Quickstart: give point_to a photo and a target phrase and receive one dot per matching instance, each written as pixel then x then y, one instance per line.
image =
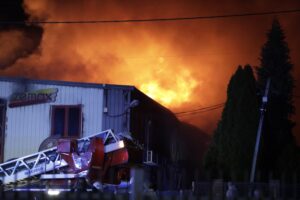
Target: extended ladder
pixel 49 160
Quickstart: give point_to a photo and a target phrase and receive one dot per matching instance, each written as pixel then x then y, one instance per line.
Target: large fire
pixel 171 88
pixel 175 96
pixel 182 64
pixel 107 54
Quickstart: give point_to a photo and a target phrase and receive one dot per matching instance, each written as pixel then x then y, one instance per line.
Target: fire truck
pixel 92 162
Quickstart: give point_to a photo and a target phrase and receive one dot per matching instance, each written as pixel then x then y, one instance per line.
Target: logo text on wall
pixel 33 97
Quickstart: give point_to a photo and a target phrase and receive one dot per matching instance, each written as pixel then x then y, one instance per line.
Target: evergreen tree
pixel 277 138
pixel 233 141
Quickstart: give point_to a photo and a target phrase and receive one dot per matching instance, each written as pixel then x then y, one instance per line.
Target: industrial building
pixel 32 111
pixel 34 114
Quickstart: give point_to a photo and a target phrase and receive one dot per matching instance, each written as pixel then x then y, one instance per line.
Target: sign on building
pixel 33 97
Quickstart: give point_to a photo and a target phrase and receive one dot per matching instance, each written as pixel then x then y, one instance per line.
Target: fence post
pixel 137 179
pixel 283 185
pixel 1 191
pixel 218 189
pixel 295 181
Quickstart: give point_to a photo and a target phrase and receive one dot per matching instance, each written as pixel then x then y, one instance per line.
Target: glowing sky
pixel 182 64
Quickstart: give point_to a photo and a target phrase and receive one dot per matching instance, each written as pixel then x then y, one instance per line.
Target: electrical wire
pixel 200 110
pixel 154 19
pixel 205 109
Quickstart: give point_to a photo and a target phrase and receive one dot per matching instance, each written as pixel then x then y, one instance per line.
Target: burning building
pixel 36 113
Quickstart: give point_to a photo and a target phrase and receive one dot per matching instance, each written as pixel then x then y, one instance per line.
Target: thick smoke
pixel 191 61
pixel 16 40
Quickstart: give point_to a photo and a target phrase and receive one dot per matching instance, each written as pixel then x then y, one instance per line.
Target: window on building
pixel 66 121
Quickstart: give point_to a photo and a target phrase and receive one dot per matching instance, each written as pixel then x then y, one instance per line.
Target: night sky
pixel 182 64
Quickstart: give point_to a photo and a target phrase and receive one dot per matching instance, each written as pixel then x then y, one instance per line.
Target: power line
pixel 205 109
pixel 154 19
pixel 200 110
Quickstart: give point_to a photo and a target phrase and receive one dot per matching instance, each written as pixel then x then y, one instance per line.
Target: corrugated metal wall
pixel 34 121
pixel 6 89
pixel 116 103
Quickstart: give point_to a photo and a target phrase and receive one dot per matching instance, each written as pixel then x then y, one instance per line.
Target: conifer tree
pixel 233 142
pixel 277 138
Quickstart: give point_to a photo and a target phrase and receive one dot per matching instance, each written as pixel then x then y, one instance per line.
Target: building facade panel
pixel 5 89
pixel 116 109
pixel 27 126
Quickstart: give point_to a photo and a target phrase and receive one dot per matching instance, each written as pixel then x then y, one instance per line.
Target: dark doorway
pixel 66 121
pixel 2 127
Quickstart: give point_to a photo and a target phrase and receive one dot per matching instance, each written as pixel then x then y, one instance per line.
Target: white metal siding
pixel 34 121
pixel 117 115
pixel 5 89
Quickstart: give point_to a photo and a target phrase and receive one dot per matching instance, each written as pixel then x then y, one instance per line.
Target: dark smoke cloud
pixel 16 41
pixel 210 50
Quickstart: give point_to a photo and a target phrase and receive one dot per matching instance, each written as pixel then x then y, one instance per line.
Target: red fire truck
pixel 92 162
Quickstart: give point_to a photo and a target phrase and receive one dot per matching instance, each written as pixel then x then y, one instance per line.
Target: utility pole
pixel 259 130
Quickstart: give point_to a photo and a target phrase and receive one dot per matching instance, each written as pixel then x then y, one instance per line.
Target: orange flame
pixel 182 64
pixel 182 85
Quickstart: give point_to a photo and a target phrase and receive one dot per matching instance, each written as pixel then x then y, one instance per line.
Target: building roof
pixel 80 84
pixel 66 83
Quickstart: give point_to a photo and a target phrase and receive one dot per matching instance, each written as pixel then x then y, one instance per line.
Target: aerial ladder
pixel 88 158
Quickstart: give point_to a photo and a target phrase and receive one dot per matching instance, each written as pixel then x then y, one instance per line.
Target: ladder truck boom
pixel 70 158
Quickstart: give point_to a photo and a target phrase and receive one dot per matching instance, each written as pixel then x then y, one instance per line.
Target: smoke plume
pixel 182 64
pixel 16 40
